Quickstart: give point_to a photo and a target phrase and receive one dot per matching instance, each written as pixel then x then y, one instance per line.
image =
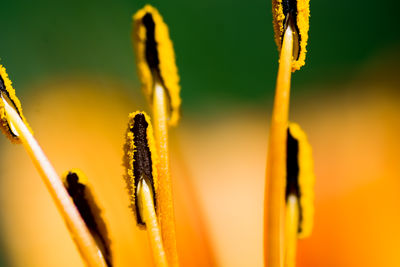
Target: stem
pixel 164 195
pixel 276 159
pixel 148 213
pixel 291 228
pixel 79 232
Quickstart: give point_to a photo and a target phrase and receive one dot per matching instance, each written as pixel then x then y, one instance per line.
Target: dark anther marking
pixel 4 91
pixel 151 45
pixel 77 191
pixel 290 12
pixel 292 166
pixel 142 164
pixel 151 51
pixel 2 85
pixel 292 170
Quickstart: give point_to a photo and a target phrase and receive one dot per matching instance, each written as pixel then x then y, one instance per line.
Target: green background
pixel 225 49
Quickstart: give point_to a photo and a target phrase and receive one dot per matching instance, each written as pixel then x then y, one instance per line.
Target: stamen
pixel 299 191
pixel 292 166
pixel 77 186
pixel 147 212
pixel 7 94
pixel 291 227
pixel 79 232
pixel 276 159
pixel 166 208
pixel 152 57
pixel 161 86
pixel 140 158
pixel 295 13
pixel 140 162
pixel 301 177
pixel 9 125
pixel 157 70
pixel 155 59
pixel 290 20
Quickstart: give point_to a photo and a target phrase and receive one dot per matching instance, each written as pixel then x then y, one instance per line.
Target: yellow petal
pixel 155 58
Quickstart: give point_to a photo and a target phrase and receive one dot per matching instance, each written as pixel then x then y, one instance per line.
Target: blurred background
pixel 72 65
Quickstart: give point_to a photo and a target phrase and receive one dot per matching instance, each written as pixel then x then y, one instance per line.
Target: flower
pixel 355 196
pixel 85 128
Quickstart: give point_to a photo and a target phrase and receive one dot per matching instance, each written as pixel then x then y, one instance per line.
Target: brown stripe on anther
pixel 142 164
pixel 292 166
pixel 7 97
pixel 151 44
pixel 4 91
pixel 290 11
pixel 2 85
pixel 292 169
pixel 79 194
pixel 151 51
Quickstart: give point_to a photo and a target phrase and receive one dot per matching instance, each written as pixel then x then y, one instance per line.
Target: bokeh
pixel 72 65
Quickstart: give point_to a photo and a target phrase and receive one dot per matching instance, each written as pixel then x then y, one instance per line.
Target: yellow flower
pixel 228 182
pixel 358 179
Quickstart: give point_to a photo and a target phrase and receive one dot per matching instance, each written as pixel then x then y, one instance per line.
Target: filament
pixel 291 229
pixel 148 214
pixel 81 235
pixel 276 159
pixel 165 201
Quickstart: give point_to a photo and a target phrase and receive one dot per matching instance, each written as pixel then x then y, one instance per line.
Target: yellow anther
pixel 155 58
pixel 140 158
pixel 7 94
pixel 76 183
pixel 297 13
pixel 305 177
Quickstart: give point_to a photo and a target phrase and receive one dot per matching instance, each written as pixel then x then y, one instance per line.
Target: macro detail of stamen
pixel 140 158
pixel 77 187
pixel 7 94
pixel 292 166
pixel 300 177
pixel 295 13
pixel 140 186
pixel 290 12
pixel 155 58
pixel 151 46
pixel 292 172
